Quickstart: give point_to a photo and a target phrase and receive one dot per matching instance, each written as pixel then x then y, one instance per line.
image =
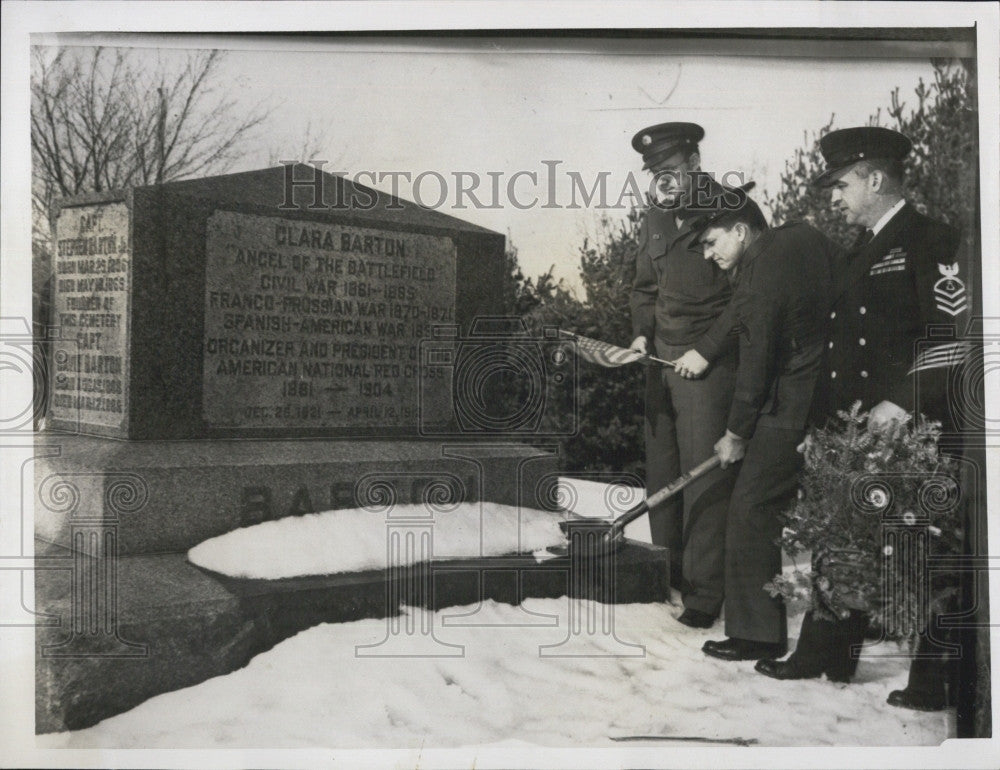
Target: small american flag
pixel 603 353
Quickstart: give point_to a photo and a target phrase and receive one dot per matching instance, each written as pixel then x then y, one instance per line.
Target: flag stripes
pixel 603 353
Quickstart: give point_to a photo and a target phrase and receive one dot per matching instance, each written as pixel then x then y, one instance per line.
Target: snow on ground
pixel 355 540
pixel 314 691
pixel 509 685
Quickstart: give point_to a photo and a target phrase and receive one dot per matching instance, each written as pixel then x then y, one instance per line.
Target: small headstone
pixel 92 274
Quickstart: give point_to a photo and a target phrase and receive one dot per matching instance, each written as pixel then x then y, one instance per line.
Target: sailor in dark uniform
pixel 782 280
pixel 901 279
pixel 676 299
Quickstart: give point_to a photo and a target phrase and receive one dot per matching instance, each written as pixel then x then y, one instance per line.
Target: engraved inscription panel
pixel 316 325
pixel 92 276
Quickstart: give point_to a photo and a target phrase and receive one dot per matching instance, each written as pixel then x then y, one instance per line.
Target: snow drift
pixel 353 540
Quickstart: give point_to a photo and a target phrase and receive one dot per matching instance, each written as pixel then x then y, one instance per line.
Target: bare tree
pixel 108 118
pixel 313 144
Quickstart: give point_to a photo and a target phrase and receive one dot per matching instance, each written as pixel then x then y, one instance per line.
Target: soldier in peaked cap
pixel 659 142
pixel 677 300
pixel 670 152
pixel 902 276
pixel 844 148
pixel 781 278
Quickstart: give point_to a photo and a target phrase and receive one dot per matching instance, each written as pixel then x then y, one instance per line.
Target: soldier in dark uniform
pixel 901 277
pixel 782 280
pixel 676 298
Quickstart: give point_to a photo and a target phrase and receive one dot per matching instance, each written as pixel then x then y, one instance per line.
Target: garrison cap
pixel 713 202
pixel 659 142
pixel 847 146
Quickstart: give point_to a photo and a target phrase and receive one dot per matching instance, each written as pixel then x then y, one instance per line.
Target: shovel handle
pixel 666 493
pixel 680 482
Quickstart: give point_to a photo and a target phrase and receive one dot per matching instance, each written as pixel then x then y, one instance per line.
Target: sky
pixel 516 119
pixel 447 109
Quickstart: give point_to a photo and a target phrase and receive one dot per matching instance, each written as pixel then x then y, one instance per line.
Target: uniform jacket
pixel 899 304
pixel 677 294
pixel 782 291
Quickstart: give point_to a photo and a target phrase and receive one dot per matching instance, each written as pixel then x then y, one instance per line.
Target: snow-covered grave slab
pixel 312 690
pixel 355 540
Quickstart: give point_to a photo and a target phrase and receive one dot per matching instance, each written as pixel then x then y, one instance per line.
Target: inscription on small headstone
pixel 91 306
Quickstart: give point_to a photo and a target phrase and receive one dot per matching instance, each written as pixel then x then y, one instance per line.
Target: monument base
pixel 168 496
pixel 177 625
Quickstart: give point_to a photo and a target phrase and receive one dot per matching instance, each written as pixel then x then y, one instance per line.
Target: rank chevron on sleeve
pixel 949 291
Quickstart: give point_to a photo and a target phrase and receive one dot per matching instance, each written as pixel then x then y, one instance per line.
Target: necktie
pixel 864 238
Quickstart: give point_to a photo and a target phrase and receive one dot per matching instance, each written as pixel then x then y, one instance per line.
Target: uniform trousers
pixel 765 488
pixel 831 646
pixel 934 669
pixel 684 419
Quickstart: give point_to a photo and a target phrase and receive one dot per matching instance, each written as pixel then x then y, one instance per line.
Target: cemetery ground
pixel 502 675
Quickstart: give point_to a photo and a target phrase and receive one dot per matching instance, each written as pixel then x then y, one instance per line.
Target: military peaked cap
pixel 712 202
pixel 659 142
pixel 847 146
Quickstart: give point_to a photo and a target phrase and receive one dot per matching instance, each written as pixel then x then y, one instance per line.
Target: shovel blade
pixel 583 530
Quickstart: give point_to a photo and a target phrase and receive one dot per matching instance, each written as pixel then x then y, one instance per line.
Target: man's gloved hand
pixel 884 415
pixel 730 448
pixel 639 344
pixel 690 365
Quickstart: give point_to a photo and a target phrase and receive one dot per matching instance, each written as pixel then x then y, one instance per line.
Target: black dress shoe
pixel 794 668
pixel 787 669
pixel 911 699
pixel 696 619
pixel 743 649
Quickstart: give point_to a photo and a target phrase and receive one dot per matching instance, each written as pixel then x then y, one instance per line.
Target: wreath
pixel 875 510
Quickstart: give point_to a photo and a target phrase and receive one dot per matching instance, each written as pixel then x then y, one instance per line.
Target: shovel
pixel 610 531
